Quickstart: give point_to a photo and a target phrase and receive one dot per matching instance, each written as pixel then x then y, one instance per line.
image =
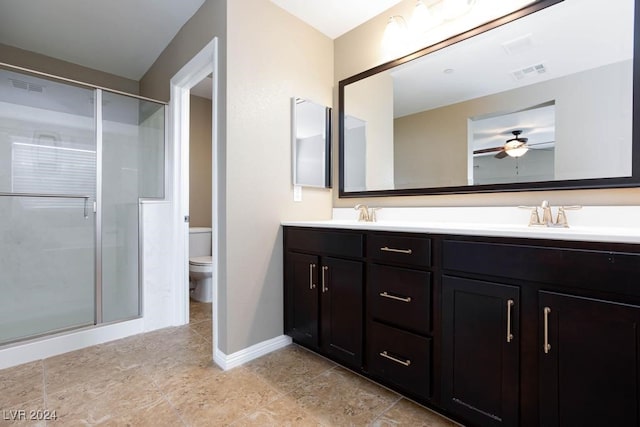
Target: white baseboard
pixel 57 344
pixel 243 356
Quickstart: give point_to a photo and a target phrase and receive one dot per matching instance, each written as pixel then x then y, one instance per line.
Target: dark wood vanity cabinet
pixel 303 299
pixel 341 289
pixel 324 293
pixel 399 312
pixel 481 350
pixel 589 361
pixel 574 357
pixel 491 331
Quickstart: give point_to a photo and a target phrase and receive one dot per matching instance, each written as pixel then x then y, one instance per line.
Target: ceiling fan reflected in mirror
pixel 514 147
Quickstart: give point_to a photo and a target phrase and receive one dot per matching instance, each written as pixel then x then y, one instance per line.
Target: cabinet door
pixel 301 293
pixel 480 344
pixel 589 358
pixel 341 317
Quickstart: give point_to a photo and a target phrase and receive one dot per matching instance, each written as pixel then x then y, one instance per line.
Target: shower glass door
pixel 47 190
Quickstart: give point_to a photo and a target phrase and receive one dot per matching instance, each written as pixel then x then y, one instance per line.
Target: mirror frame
pixel 572 184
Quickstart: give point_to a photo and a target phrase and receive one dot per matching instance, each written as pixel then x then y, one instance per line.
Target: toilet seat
pixel 201 260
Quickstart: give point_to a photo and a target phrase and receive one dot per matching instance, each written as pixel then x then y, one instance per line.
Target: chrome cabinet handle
pixel 398 251
pixel 386 295
pixel 311 284
pixel 324 286
pixel 547 346
pixel 510 304
pixel 402 362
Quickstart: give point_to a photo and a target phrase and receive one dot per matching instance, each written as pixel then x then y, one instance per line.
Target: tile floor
pixel 166 378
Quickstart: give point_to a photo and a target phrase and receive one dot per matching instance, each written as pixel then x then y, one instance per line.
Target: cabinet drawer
pixel 580 268
pixel 400 296
pixel 400 358
pixel 402 249
pixel 322 242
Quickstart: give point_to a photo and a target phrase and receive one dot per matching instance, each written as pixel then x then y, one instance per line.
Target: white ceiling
pixel 121 37
pixel 335 17
pixel 125 37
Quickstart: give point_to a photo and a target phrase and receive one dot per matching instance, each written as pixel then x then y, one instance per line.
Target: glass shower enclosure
pixel 74 163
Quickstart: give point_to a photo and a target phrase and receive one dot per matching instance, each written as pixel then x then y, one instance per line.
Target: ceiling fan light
pixel 516 152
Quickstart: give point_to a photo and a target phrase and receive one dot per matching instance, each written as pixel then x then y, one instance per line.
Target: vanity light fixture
pixel 423 19
pixel 452 9
pixel 395 35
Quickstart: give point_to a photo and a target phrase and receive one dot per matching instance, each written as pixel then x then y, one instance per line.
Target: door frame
pixel 197 68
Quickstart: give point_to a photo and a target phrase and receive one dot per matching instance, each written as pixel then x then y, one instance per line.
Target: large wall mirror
pixel 540 99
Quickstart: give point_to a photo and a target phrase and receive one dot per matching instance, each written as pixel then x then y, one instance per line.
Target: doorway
pixel 200 192
pixel 199 68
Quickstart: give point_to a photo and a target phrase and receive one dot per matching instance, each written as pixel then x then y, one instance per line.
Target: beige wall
pixel 273 56
pixel 267 56
pixel 431 147
pixel 200 162
pixel 358 51
pixel 35 61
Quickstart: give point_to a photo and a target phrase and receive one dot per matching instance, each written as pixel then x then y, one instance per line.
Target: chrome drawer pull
pixel 311 284
pixel 398 251
pixel 510 304
pixel 402 362
pixel 324 286
pixel 386 295
pixel 547 346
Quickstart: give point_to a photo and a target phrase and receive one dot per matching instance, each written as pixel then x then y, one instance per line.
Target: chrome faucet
pixel 547 215
pixel 366 214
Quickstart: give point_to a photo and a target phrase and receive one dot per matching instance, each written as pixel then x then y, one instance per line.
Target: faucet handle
pixel 534 219
pixel 363 214
pixel 561 221
pixel 372 214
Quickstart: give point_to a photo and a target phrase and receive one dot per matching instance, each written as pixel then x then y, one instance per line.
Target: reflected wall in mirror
pixel 311 143
pixel 541 102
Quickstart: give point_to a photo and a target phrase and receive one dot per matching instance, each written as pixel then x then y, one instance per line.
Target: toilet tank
pixel 199 241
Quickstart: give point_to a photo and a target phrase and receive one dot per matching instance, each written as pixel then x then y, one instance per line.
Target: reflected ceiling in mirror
pixel 559 79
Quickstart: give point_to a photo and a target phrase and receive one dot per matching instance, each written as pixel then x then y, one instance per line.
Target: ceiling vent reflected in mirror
pixel 530 71
pixel 23 85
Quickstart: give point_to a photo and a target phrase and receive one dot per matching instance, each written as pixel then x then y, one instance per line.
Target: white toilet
pixel 200 268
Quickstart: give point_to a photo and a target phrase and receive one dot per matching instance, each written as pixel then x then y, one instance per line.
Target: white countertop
pixel 617 224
